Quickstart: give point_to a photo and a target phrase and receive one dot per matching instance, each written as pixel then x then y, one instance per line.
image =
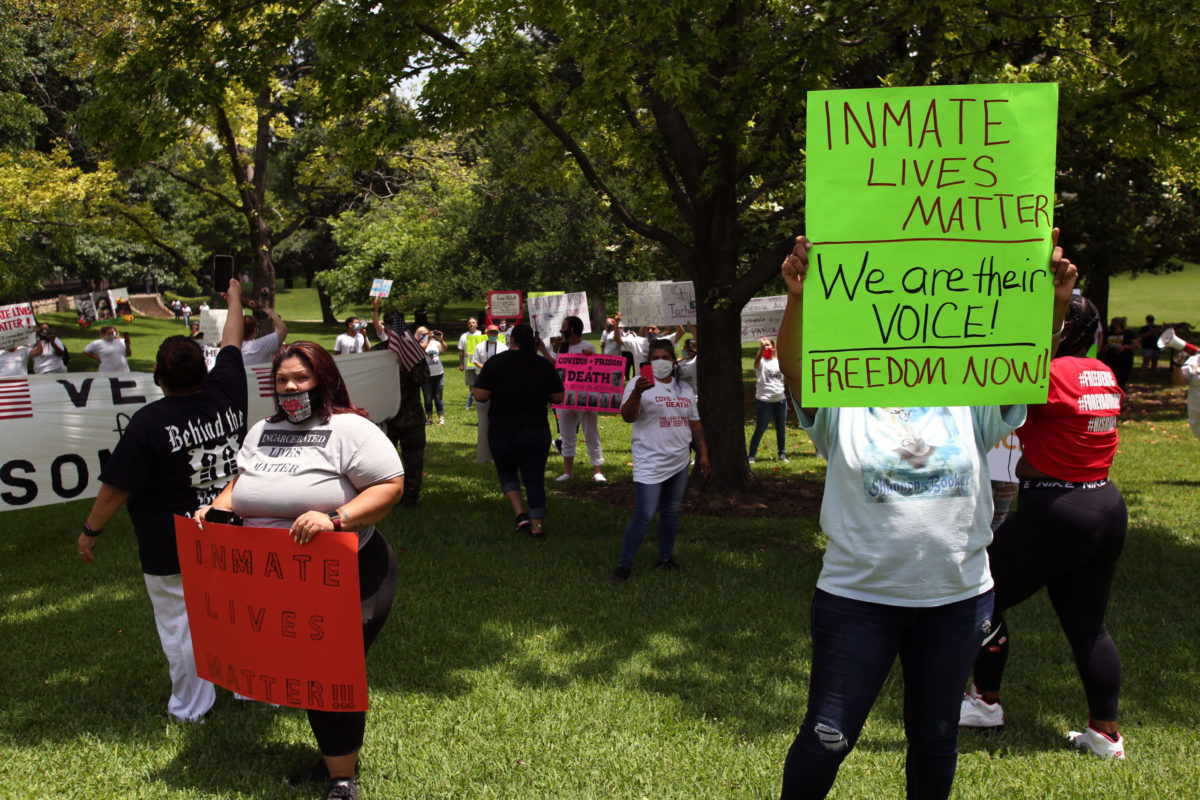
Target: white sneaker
pixel 563 477
pixel 598 478
pixel 750 459
pixel 1099 743
pixel 975 712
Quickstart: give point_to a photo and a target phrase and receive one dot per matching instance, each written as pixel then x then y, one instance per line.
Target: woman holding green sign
pixel 907 510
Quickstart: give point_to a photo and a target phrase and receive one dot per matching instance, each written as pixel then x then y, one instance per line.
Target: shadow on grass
pixel 479 607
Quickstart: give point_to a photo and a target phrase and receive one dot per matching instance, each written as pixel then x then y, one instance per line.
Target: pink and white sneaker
pixel 1100 744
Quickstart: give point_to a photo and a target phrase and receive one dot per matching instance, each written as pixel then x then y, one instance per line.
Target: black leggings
pixel 340 733
pixel 1066 537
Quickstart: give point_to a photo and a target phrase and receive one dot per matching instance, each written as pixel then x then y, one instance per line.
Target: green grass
pixel 1170 297
pixel 512 669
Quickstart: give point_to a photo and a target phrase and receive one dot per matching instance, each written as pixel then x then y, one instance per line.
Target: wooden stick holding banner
pixel 935 290
pixel 273 620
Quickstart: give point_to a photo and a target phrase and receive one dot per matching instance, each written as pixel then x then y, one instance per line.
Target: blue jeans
pixel 764 412
pixel 854 644
pixel 522 452
pixel 432 391
pixel 666 498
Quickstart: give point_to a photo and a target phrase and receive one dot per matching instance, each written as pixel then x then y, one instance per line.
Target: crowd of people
pixel 921 578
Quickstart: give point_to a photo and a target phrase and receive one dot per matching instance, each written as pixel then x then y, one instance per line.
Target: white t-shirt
pixel 640 345
pixel 49 360
pixel 485 350
pixel 14 362
pixel 1191 371
pixel 768 385
pixel 260 350
pixel 111 354
pixel 608 343
pixel 433 357
pixel 345 344
pixel 285 469
pixel 462 348
pixel 685 370
pixel 908 501
pixel 584 346
pixel 662 432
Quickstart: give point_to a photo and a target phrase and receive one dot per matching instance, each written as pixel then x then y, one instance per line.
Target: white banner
pixel 59 429
pixel 761 317
pixel 212 322
pixel 678 304
pixel 1003 458
pixel 546 314
pixel 118 297
pixel 16 325
pixel 640 303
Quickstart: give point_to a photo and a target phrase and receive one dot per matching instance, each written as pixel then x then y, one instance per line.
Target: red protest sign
pixel 592 382
pixel 272 620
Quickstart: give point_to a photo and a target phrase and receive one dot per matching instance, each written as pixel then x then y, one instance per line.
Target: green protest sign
pixel 930 211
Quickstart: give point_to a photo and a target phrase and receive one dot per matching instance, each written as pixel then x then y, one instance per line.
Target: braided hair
pixel 1079 327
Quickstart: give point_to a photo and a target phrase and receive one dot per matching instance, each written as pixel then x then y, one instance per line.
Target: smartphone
pixel 647 371
pixel 222 273
pixel 222 516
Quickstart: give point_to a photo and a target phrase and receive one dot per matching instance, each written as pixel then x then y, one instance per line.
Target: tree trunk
pixel 327 316
pixel 1097 292
pixel 722 413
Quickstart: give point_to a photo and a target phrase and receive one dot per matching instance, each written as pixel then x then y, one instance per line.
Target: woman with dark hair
pixel 1066 534
pixel 347 479
pixel 155 469
pixel 666 424
pixel 516 386
pixel 110 350
pixel 907 510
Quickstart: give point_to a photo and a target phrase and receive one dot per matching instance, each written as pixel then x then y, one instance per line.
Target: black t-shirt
pixel 520 387
pixel 178 453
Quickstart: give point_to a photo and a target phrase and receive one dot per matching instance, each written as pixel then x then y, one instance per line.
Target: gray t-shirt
pixel 285 469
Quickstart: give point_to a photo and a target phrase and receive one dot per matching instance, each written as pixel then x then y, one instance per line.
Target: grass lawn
pixel 512 669
pixel 1170 297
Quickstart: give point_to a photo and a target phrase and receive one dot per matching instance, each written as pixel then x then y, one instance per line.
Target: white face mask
pixel 662 368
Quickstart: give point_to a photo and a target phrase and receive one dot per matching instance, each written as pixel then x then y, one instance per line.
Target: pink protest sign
pixel 592 383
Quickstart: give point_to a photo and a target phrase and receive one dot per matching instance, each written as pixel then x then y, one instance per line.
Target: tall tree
pixel 687 117
pixel 254 79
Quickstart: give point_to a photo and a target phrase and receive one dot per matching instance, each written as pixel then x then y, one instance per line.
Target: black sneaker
pixel 342 789
pixel 558 445
pixel 668 564
pixel 620 575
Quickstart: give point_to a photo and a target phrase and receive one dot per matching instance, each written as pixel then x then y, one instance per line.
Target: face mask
pixel 108 337
pixel 768 352
pixel 297 405
pixel 493 338
pixel 662 368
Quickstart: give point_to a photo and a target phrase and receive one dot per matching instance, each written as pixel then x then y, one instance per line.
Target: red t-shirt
pixel 1074 435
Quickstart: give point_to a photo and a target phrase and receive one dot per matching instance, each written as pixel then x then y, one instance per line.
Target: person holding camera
pixel 434 344
pixel 160 477
pixel 49 354
pixel 261 349
pixel 354 340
